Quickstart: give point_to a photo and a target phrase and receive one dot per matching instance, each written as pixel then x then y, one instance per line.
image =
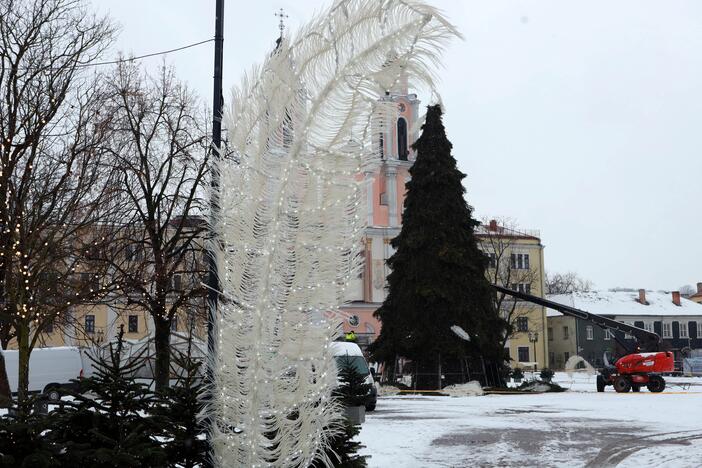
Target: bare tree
pixel 566 283
pixel 54 185
pixel 499 240
pixel 687 290
pixel 160 150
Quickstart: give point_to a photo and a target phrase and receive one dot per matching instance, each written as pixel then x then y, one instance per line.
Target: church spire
pixel 281 24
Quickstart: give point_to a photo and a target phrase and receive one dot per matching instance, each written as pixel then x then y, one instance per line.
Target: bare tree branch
pixel 54 183
pixel 160 150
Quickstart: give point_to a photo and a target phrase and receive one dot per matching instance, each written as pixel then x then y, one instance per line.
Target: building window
pixel 524 288
pixel 177 283
pixel 648 326
pixel 381 146
pixel 566 356
pixel 550 333
pixel 566 333
pixel 90 282
pixel 551 358
pixel 667 330
pixel 49 327
pixel 684 330
pixel 522 324
pixel 89 324
pixel 608 334
pixel 590 333
pixel 519 261
pixel 174 323
pixel 402 139
pixel 492 260
pixel 133 324
pixel 699 330
pixel 523 352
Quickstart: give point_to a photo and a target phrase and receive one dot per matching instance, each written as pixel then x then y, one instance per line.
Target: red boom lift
pixel 641 365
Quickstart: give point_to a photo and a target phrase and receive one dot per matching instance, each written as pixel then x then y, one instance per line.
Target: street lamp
pixel 533 338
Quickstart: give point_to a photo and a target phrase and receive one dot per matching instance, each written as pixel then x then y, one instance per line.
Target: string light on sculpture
pixel 290 218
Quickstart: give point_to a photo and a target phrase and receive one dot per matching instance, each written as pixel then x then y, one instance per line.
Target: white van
pixel 352 351
pixel 49 369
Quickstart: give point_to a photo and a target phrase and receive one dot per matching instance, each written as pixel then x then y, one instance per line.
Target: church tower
pixel 385 197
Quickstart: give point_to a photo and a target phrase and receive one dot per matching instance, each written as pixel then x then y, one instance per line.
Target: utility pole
pixel 213 277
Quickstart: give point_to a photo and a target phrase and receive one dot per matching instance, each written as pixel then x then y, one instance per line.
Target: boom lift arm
pixel 648 341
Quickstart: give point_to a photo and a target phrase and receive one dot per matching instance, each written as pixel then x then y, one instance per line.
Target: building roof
pixel 494 229
pixel 660 304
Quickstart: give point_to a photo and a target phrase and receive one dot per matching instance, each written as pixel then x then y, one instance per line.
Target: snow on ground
pixel 576 428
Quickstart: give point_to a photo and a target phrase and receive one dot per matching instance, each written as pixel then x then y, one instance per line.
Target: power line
pixel 130 59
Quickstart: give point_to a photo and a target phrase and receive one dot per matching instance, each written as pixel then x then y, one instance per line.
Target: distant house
pixel 677 320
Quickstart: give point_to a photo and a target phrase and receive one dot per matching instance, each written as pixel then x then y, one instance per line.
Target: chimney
pixel 642 297
pixel 699 288
pixel 676 298
pixel 493 225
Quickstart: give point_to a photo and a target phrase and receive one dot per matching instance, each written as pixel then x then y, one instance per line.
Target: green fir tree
pixel 107 425
pixel 24 438
pixel 177 414
pixel 343 451
pixel 437 277
pixel 353 388
pixel 352 391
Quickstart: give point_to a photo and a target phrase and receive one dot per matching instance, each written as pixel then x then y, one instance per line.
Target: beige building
pixel 562 332
pixel 517 262
pixel 90 323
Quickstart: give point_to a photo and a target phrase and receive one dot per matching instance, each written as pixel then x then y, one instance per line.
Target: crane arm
pixel 648 341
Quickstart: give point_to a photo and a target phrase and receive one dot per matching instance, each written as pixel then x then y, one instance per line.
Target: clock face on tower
pixel 401 107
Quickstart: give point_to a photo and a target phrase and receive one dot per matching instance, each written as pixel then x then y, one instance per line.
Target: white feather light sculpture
pixel 291 221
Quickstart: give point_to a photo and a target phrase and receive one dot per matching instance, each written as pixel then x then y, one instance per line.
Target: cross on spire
pixel 281 25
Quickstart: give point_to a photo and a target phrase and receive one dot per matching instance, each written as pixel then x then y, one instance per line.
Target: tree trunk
pixel 162 338
pixel 23 364
pixel 5 392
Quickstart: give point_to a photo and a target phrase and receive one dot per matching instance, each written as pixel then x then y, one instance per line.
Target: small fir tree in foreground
pixel 343 450
pixel 177 414
pixel 437 277
pixel 23 438
pixel 353 388
pixel 107 424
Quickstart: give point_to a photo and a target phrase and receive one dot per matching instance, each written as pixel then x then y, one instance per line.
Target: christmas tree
pixel 438 271
pixel 107 423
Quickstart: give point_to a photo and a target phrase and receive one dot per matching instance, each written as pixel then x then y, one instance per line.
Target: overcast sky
pixel 580 119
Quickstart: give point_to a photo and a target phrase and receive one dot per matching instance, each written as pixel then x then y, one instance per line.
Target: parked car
pixel 50 369
pixel 354 353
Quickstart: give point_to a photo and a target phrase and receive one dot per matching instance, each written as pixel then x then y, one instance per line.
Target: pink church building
pixel 385 198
